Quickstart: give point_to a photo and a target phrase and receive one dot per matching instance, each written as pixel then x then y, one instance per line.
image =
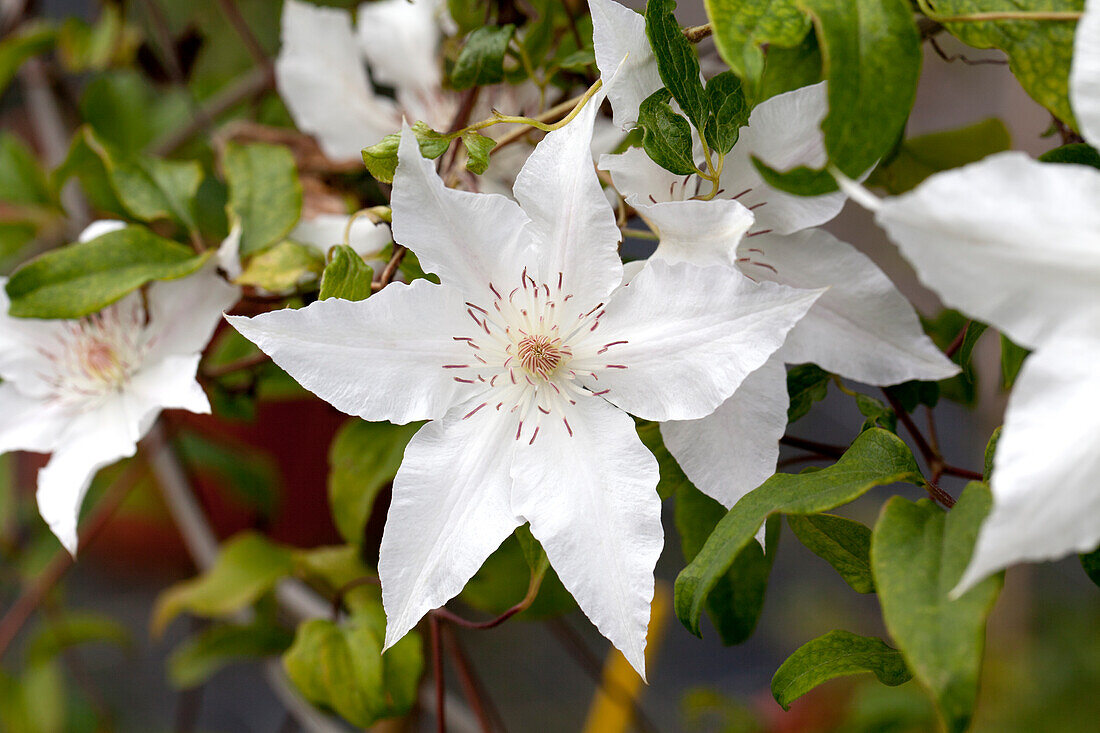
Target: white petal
pixel 1084 78
pixel 1046 499
pixel 733 450
pixel 28 423
pixel 861 328
pixel 98 228
pixel 170 383
pixel 691 334
pixel 228 256
pixel 21 359
pixel 92 441
pixel 451 509
pixel 320 76
pixel 697 232
pixel 619 32
pixel 784 132
pixel 592 502
pixel 184 313
pixel 1009 241
pixel 327 230
pixel 634 172
pixel 381 359
pixel 468 239
pixel 400 40
pixel 572 223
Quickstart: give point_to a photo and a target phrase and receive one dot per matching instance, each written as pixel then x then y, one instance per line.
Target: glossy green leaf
pixel 363 458
pixel 342 667
pixel 346 276
pixel 677 62
pixel 666 135
pixel 265 196
pixel 199 657
pixel 871 51
pixel 1012 360
pixel 30 39
pixel 478 147
pixel 1075 153
pixel 481 60
pixel 1039 51
pixel 843 543
pixel 82 278
pixel 918 554
pixel 787 69
pixel 876 458
pixel 727 111
pixel 735 603
pixel 283 268
pixel 806 384
pixel 919 157
pixel 743 27
pixel 836 654
pixel 248 566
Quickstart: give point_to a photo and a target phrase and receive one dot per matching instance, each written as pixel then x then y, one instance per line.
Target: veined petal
pixel 400 40
pixel 93 440
pixel 327 230
pixel 784 131
pixel 733 450
pixel 1084 77
pixel 1008 240
pixel 21 341
pixel 1046 499
pixel 862 328
pixel 591 500
pixel 468 239
pixel 451 509
pixel 169 383
pixel 616 32
pixel 383 358
pixel 677 341
pixel 27 423
pixel 183 313
pixel 700 233
pixel 320 76
pixel 572 223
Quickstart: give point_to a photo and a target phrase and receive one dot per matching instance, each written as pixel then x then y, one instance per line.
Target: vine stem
pixel 1008 15
pixel 472 687
pixel 437 672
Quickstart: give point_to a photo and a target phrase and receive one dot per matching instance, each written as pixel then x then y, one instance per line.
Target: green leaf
pixel 478 147
pixel 339 569
pixel 83 278
pixel 71 629
pixel 346 276
pixel 265 195
pixel 806 384
pixel 672 477
pixel 342 667
pixel 1012 360
pixel 877 413
pixel 84 163
pixel 129 112
pixel 918 554
pixel 381 158
pixel 22 181
pixel 666 136
pixel 84 47
pixel 1039 51
pixel 247 474
pixel 743 27
pixel 836 654
pixel 727 110
pixel 876 458
pixel 1091 563
pixel 481 60
pixel 363 458
pixel 30 39
pixel 787 69
pixel 676 60
pixel 735 603
pixel 35 701
pixel 199 657
pixel 248 566
pixel 990 451
pixel 283 268
pixel 919 157
pixel 843 543
pixel 1076 153
pixel 872 56
pixel 503 580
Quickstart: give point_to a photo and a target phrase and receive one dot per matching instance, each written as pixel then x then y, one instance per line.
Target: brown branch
pixel 240 25
pixel 473 690
pixel 822 449
pixel 697 33
pixel 437 672
pixel 390 269
pixel 248 362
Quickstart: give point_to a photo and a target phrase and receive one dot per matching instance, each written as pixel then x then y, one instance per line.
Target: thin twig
pixel 248 362
pixel 172 62
pixel 960 57
pixel 240 25
pixel 822 449
pixel 437 672
pixel 472 688
pixel 256 81
pixel 391 268
pixel 698 33
pixel 957 342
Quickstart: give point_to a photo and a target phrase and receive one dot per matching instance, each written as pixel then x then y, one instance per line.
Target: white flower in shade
pixel 862 328
pixel 1016 244
pixel 1084 78
pixel 87 390
pixel 527 358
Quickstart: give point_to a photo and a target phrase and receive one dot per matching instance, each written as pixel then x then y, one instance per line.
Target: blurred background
pixel 1043 656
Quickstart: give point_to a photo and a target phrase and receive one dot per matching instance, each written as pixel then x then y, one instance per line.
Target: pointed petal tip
pixel 856 191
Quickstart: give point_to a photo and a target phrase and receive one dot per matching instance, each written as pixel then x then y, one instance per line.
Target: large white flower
pixel 527 358
pixel 1084 79
pixel 87 390
pixel 1016 243
pixel 862 328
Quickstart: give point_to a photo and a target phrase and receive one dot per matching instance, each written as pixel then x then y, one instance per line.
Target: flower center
pixel 101 362
pixel 540 355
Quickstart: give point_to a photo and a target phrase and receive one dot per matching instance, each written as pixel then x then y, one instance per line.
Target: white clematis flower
pixel 863 328
pixel 87 390
pixel 1084 79
pixel 526 359
pixel 1016 243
